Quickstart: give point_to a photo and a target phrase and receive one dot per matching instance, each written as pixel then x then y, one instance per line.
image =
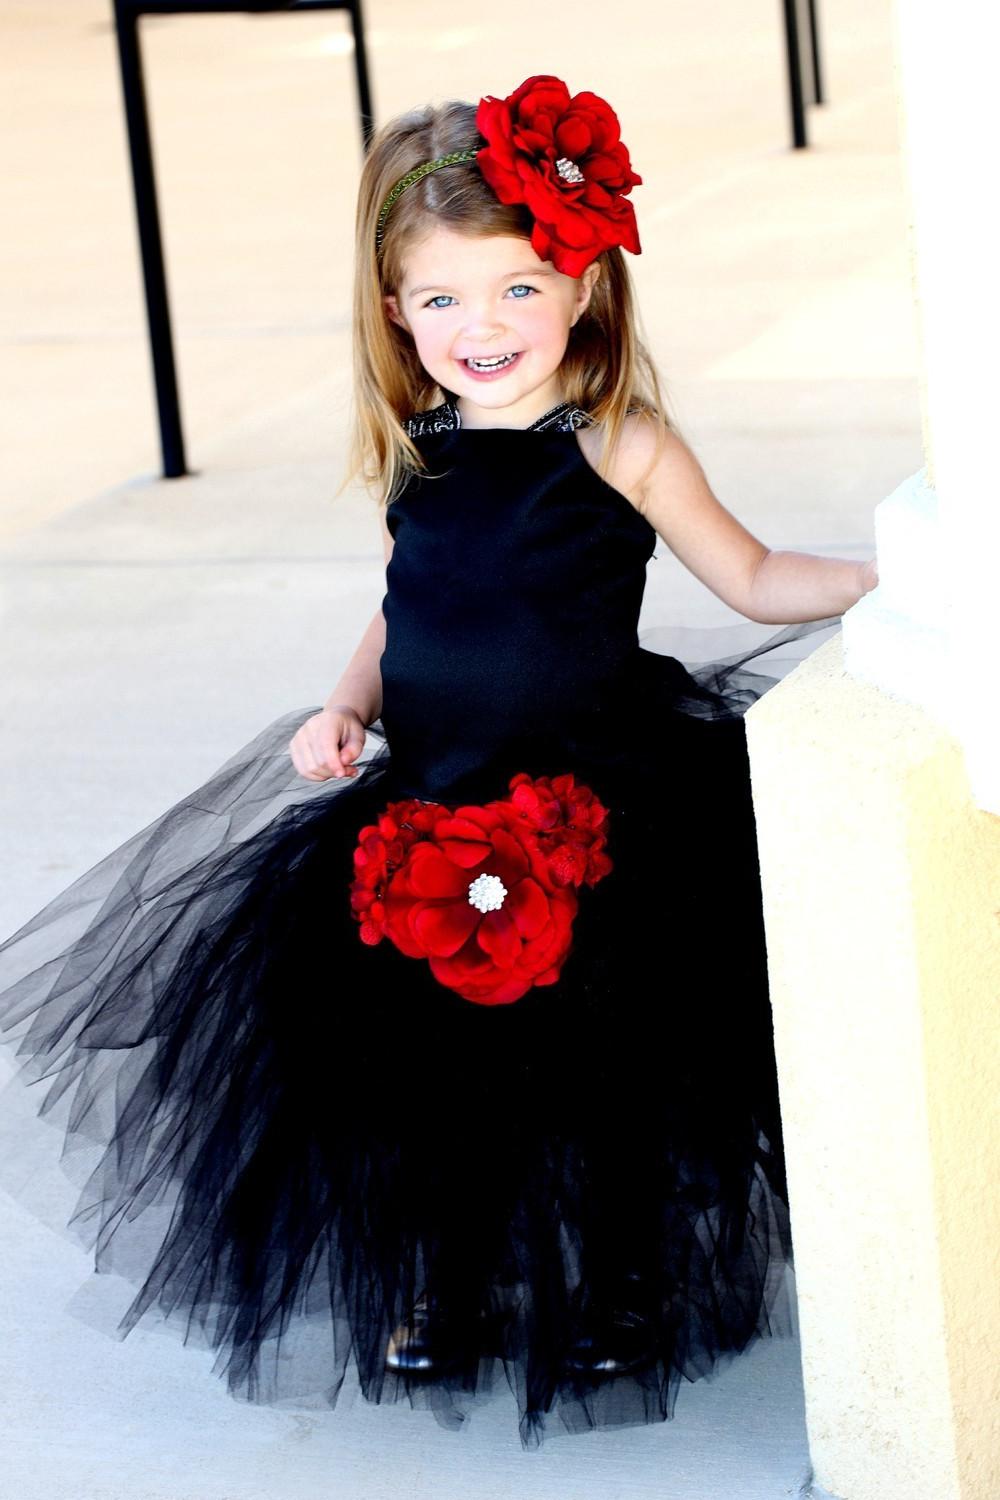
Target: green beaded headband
pixel 415 176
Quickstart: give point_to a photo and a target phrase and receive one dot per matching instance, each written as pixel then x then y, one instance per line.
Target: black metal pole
pixel 795 73
pixel 816 65
pixel 361 76
pixel 127 16
pixel 151 243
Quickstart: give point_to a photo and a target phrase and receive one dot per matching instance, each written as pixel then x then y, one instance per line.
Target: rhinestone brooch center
pixel 486 893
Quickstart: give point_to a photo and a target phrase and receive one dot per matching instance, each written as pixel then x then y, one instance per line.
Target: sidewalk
pixel 151 627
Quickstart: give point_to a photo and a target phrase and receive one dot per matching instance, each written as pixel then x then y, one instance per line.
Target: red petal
pixel 502 179
pixel 549 977
pixel 628 230
pixel 397 931
pixel 493 121
pixel 553 945
pixel 430 875
pixel 510 860
pixel 470 964
pixel 493 991
pixel 443 929
pixel 573 262
pixel 542 243
pixel 606 168
pixel 596 197
pixel 464 839
pixel 529 907
pixel 575 231
pixel 461 826
pixel 535 141
pixel 511 989
pixel 599 110
pixel 542 91
pixel 573 137
pixel 465 854
pixel 498 936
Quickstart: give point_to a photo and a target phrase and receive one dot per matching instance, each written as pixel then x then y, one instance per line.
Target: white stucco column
pixel 929 631
pixel 876 782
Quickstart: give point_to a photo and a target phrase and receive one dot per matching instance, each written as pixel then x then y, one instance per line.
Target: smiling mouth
pixel 495 362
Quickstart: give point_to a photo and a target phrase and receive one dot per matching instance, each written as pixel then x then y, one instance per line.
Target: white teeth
pixel 490 364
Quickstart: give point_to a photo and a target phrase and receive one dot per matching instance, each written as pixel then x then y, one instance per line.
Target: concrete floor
pixel 151 627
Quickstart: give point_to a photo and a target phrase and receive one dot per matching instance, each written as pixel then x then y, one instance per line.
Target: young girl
pixel 432 1036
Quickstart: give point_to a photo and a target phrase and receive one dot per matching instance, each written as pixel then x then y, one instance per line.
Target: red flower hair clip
pixel 563 157
pixel 487 894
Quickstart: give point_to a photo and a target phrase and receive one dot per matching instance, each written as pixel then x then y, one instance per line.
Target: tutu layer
pixel 282 1136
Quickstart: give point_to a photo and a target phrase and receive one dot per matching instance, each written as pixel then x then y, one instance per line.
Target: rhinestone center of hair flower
pixel 568 170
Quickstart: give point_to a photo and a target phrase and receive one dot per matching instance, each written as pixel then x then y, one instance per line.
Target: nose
pixel 483 321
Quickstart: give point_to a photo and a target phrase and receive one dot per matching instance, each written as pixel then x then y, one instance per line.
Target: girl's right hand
pixel 325 745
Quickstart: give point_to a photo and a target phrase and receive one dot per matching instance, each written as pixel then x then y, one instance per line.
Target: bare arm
pixel 789 586
pixel 360 686
pixel 777 587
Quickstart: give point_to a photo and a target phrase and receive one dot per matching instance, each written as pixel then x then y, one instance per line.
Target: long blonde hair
pixel 606 369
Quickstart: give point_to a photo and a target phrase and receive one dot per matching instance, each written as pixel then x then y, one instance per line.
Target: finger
pixel 355 744
pixel 329 757
pixel 351 751
pixel 339 754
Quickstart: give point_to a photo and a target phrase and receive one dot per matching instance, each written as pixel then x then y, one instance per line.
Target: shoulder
pixel 646 447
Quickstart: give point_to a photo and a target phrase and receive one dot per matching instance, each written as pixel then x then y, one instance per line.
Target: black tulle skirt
pixel 282 1136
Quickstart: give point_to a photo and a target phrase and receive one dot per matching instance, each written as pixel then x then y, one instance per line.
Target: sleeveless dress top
pixel 513 595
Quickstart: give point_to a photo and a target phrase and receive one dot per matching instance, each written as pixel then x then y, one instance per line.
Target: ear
pixel 392 310
pixel 585 288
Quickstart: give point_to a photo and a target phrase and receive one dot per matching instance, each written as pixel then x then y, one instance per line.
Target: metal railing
pixel 128 14
pixel 805 76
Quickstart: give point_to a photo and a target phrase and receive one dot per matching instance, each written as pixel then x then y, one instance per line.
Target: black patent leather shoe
pixel 433 1340
pixel 614 1333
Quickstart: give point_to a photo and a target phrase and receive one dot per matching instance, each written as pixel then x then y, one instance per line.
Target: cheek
pixel 432 339
pixel 546 323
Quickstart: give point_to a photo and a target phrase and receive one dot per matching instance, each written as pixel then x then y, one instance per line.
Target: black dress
pixel 284 1133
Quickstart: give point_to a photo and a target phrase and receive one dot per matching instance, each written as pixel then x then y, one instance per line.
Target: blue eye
pixel 443 297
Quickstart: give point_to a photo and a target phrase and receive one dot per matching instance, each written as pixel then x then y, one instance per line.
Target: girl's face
pixel 468 297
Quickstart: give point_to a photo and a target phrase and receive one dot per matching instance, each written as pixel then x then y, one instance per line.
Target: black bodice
pixel 512 602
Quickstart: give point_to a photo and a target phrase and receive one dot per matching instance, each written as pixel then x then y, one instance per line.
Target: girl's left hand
pixel 869 575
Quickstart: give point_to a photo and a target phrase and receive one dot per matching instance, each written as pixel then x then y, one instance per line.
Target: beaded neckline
pixel 566 416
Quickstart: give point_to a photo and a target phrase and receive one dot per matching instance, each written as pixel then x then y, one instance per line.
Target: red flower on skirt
pixel 563 157
pixel 487 894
